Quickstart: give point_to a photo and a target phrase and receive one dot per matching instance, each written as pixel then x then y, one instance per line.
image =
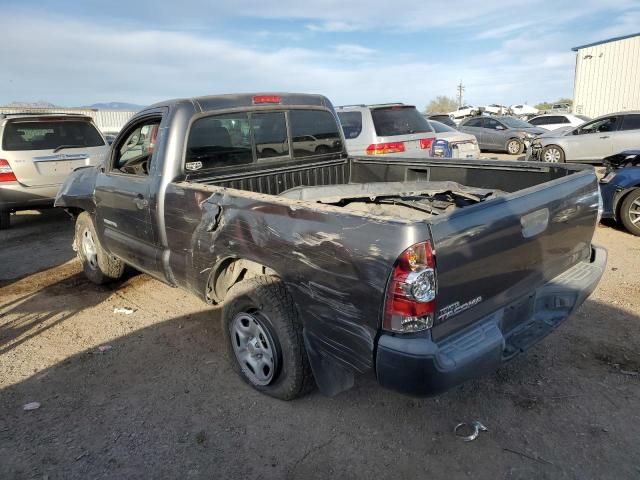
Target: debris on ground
pixel 123 310
pixel 104 348
pixel 474 428
pixel 31 406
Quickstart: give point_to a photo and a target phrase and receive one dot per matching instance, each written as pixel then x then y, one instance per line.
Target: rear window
pixel 49 135
pixel 390 121
pixel 314 132
pixel 351 124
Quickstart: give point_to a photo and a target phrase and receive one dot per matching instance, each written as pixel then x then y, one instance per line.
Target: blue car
pixel 620 189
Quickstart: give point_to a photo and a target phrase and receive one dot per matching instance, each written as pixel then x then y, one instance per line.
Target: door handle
pixel 606 136
pixel 140 201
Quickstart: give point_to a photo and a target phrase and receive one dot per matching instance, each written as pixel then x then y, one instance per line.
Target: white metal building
pixel 607 76
pixel 109 121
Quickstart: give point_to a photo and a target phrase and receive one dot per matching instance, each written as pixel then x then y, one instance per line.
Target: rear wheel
pixel 552 154
pixel 515 146
pixel 98 265
pixel 264 338
pixel 630 212
pixel 5 219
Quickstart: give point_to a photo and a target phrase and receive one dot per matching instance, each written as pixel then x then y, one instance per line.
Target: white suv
pixel 392 129
pixel 555 120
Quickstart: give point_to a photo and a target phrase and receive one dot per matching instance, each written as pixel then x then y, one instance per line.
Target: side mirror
pixel 499 127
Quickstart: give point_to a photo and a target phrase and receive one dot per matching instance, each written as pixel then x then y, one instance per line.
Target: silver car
pixel 37 152
pixel 507 134
pixel 591 141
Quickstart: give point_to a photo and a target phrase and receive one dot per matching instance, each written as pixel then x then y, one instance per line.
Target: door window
pixel 474 122
pixel 492 124
pixel 598 126
pixel 631 122
pixel 134 151
pixel 540 121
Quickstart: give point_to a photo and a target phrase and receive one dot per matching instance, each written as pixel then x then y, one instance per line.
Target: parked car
pixel 325 264
pixel 591 141
pixel 495 109
pixel 37 152
pixel 442 118
pixel 462 145
pixel 464 111
pixel 523 109
pixel 393 130
pixel 620 189
pixel 508 134
pixel 554 121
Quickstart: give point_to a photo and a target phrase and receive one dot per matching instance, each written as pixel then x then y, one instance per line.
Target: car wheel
pixel 264 338
pixel 98 265
pixel 552 154
pixel 515 146
pixel 630 212
pixel 322 149
pixel 5 219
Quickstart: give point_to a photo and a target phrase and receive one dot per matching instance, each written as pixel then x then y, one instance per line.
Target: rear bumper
pixel 15 196
pixel 420 366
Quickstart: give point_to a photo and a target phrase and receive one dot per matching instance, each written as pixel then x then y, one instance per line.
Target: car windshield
pixel 440 127
pixel 398 120
pixel 50 134
pixel 512 122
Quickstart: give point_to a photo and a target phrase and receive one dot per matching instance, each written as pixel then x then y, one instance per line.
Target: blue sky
pixel 365 51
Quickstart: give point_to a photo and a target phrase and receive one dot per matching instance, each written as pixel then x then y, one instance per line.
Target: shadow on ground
pixel 163 403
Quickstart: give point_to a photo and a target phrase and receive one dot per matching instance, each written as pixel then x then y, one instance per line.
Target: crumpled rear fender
pixel 78 190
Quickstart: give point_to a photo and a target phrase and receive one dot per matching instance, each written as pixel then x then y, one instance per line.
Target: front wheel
pixel 515 146
pixel 264 338
pixel 552 154
pixel 630 212
pixel 98 265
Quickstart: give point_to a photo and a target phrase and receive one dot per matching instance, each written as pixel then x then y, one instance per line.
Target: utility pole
pixel 460 93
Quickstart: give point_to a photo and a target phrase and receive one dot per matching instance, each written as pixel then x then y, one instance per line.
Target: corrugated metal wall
pixel 106 120
pixel 607 78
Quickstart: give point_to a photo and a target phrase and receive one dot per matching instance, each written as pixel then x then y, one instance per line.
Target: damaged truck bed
pixel 424 273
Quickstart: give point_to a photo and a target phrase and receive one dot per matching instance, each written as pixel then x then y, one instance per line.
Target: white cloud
pixel 334 26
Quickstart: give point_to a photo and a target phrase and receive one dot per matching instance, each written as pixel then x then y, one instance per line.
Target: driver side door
pixel 592 141
pixel 494 133
pixel 123 196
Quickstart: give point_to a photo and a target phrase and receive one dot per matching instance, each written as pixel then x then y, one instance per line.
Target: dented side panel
pixel 335 265
pixel 77 190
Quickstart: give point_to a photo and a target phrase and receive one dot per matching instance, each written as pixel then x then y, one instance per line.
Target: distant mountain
pixel 38 104
pixel 117 106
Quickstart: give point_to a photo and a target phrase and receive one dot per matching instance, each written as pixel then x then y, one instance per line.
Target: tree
pixel 441 104
pixel 547 105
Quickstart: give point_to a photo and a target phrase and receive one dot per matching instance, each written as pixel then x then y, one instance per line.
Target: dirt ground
pixel 162 402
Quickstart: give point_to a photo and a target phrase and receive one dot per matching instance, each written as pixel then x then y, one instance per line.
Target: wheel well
pixel 621 200
pixel 228 273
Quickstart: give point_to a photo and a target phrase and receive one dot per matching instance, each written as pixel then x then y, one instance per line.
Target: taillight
pixel 410 301
pixel 6 173
pixel 425 143
pixel 384 148
pixel 266 99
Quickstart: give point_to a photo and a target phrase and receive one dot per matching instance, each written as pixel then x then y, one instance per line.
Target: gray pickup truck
pixel 423 272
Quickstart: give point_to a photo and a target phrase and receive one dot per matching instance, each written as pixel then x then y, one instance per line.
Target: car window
pixel 630 122
pixel 270 134
pixel 219 141
pixel 512 122
pixel 351 124
pixel 398 120
pixel 491 123
pixel 440 127
pixel 134 150
pixel 314 132
pixel 474 122
pixel 539 121
pixel 598 126
pixel 563 119
pixel 49 135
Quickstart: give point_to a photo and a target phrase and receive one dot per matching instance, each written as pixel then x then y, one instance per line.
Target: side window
pixel 314 132
pixel 631 122
pixel 539 121
pixel 475 122
pixel 563 120
pixel 491 124
pixel 219 141
pixel 598 126
pixel 351 124
pixel 134 151
pixel 270 134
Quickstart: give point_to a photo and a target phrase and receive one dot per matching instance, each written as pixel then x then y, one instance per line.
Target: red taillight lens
pixel 266 99
pixel 410 301
pixel 6 173
pixel 384 148
pixel 426 143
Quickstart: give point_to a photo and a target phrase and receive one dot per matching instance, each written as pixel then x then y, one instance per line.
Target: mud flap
pixel 331 377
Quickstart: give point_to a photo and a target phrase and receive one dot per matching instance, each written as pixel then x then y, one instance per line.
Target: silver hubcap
pixel 634 212
pixel 513 147
pixel 89 249
pixel 552 155
pixel 254 348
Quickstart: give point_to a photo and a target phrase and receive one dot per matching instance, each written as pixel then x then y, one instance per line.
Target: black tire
pixel 100 268
pixel 267 301
pixel 511 150
pixel 322 149
pixel 548 154
pixel 631 204
pixel 5 219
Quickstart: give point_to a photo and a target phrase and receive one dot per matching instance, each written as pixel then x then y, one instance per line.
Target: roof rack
pixel 56 114
pixel 354 105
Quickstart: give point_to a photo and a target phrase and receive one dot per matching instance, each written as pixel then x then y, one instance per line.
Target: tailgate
pixel 490 255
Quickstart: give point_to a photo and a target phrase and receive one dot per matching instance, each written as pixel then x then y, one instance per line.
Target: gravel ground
pixel 159 400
